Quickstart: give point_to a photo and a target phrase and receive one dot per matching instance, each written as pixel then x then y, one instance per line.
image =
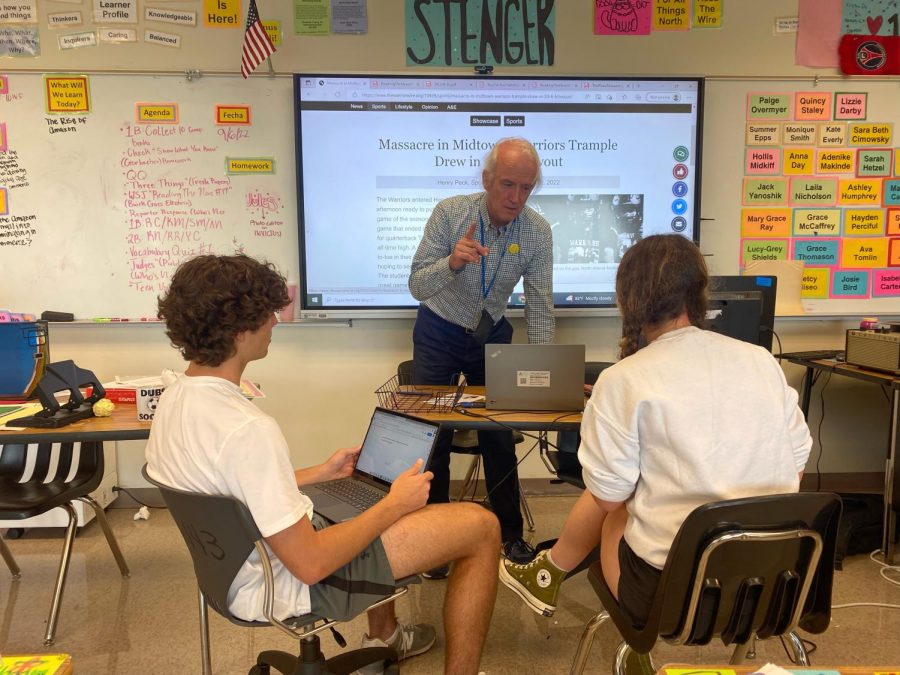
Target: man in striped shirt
pixel 474 251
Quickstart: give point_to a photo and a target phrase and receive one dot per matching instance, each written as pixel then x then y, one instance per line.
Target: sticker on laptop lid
pixel 533 378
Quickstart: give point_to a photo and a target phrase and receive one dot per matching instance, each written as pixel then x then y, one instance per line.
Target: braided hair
pixel 659 278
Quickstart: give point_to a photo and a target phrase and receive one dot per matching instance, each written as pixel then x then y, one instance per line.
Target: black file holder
pixel 63 376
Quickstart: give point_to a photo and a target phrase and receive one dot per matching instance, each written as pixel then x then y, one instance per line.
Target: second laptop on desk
pixel 534 377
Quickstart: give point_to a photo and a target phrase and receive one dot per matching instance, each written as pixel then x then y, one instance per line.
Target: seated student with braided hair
pixel 687 417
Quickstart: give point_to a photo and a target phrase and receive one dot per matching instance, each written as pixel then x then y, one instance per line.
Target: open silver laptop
pixel 393 443
pixel 534 377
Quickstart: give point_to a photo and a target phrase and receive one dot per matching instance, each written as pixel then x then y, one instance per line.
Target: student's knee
pixel 481 522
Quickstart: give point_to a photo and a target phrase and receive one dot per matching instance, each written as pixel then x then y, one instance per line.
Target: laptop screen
pixel 393 443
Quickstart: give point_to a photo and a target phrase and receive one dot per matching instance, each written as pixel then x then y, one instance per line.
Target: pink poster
pixel 819 33
pixel 622 17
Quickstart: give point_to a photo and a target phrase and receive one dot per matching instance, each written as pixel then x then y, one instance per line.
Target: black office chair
pixel 740 569
pixel 220 534
pixel 563 461
pixel 29 490
pixel 470 480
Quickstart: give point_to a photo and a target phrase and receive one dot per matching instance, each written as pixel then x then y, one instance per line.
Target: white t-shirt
pixel 206 437
pixel 693 417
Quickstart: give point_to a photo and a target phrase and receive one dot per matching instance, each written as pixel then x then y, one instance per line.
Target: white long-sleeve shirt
pixel 693 417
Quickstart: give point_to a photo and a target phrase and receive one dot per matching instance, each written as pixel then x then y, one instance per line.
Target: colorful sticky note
pixel 850 106
pixel 763 249
pixel 835 161
pixel 832 134
pixel 863 223
pixel 707 13
pixel 806 191
pixel 850 284
pixel 762 106
pixel 623 18
pixel 765 223
pixel 761 133
pixel 671 15
pixel 860 191
pixel 817 252
pixel 764 191
pixel 873 162
pixel 814 105
pixel 864 253
pixel 886 283
pixel 798 161
pixel 815 282
pixel 762 161
pixel 817 222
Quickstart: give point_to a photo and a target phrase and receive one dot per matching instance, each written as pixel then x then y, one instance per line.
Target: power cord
pixel 883 573
pixel 117 488
pixel 537 439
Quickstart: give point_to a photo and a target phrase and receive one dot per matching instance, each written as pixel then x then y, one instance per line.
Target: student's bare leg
pixel 382 621
pixel 613 531
pixel 469 535
pixel 580 534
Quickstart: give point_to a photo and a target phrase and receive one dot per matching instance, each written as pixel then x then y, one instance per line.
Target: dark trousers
pixel 441 350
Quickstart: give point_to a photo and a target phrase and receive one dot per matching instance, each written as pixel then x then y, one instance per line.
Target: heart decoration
pixel 874 23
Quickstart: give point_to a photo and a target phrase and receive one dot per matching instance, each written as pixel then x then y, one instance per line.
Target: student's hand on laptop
pixel 340 464
pixel 410 490
pixel 588 389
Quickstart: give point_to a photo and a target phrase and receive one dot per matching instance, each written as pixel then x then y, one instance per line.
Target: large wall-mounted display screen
pixel 620 160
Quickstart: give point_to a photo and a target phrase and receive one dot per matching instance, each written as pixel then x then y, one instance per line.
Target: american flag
pixel 257 43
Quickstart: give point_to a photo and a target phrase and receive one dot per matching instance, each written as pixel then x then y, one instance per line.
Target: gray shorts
pixel 351 589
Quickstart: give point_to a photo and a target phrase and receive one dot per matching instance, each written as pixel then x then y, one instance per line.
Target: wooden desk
pixel 892 384
pixel 481 418
pixel 122 425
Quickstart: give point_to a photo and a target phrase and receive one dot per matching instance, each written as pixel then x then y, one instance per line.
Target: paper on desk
pixel 17 411
pixel 449 399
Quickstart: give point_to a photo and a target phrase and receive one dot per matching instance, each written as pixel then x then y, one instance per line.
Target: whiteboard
pixel 724 148
pixel 100 209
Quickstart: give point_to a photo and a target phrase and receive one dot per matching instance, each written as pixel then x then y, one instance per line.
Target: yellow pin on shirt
pixel 513 249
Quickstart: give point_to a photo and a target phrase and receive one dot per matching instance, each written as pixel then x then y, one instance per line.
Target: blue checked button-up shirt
pixel 457 296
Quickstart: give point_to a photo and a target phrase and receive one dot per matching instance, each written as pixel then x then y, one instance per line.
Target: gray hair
pixel 524 145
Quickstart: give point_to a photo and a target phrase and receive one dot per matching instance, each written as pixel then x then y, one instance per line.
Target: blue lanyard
pixel 486 291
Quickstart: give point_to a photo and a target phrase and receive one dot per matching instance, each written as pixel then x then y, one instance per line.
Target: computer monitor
pixel 743 307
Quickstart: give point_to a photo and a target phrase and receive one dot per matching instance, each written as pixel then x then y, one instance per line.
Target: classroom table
pixel 122 425
pixel 541 421
pixel 814 367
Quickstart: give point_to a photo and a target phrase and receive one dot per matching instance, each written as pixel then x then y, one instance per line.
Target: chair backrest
pixel 220 534
pixel 59 471
pixel 737 568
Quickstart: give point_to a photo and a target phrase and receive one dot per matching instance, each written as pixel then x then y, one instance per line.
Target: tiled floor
pixel 148 623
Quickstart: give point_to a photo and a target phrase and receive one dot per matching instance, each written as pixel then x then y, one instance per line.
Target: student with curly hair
pixel 207 438
pixel 687 417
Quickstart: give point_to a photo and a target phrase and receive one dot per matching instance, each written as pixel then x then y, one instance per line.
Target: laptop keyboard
pixel 353 492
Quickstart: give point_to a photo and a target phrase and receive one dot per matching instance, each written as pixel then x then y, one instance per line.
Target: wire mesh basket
pixel 398 393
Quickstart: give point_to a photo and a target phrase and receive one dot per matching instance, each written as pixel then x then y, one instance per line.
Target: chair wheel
pixel 15 532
